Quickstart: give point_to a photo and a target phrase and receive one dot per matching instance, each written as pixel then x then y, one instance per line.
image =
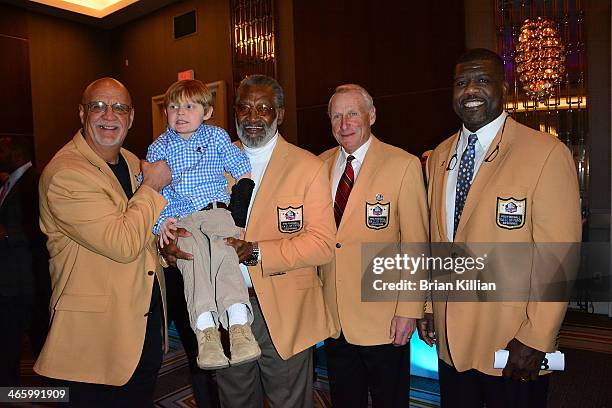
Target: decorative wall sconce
pixel 253 38
pixel 540 58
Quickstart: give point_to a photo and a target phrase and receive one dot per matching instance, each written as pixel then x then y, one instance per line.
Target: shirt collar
pixel 16 175
pixel 358 154
pixel 261 150
pixel 487 133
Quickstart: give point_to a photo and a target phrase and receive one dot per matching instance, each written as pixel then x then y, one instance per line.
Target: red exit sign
pixel 186 75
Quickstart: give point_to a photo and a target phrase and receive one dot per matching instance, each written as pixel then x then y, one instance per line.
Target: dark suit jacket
pixel 23 254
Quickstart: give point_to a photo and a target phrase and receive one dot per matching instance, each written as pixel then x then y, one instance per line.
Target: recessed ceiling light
pixel 93 8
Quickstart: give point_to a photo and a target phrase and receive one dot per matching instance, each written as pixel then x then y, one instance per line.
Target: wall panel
pixel 16 112
pixel 154 58
pixel 64 58
pixel 402 52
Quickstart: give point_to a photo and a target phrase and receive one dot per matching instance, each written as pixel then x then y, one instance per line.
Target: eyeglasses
pixel 101 107
pixel 244 109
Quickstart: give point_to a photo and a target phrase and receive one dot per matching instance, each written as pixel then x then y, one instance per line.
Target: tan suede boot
pixel 243 346
pixel 210 350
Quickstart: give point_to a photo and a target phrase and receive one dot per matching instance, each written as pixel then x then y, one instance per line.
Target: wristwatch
pixel 161 258
pixel 254 258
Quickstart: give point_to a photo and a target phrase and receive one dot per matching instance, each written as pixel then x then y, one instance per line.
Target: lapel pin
pixel 379 197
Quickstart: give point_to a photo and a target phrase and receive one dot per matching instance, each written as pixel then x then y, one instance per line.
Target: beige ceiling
pixel 93 8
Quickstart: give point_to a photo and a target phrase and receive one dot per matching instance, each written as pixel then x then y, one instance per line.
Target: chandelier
pixel 540 58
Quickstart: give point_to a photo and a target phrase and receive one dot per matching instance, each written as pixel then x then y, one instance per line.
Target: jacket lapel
pixel 97 161
pixel 269 182
pixel 134 169
pixel 487 170
pixel 371 163
pixel 331 165
pixel 441 179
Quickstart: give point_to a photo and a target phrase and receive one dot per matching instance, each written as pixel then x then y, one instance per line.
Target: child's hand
pixel 167 230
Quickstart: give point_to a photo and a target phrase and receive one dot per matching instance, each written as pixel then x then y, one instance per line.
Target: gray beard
pixel 258 141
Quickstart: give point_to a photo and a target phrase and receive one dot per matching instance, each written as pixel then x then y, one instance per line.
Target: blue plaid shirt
pixel 197 166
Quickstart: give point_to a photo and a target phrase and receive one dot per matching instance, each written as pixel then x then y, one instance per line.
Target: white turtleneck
pixel 259 158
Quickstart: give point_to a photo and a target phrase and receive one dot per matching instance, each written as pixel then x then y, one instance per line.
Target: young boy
pixel 198 154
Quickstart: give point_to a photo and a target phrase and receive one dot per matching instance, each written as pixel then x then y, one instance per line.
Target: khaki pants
pixel 213 280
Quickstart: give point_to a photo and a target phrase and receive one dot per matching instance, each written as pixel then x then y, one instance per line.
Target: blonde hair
pixel 191 89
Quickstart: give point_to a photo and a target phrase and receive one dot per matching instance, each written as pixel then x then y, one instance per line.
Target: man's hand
pixel 156 175
pixel 244 249
pixel 427 333
pixel 171 252
pixel 523 362
pixel 3 232
pixel 402 329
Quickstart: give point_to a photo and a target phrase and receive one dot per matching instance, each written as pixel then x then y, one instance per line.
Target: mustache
pixel 246 123
pixel 261 137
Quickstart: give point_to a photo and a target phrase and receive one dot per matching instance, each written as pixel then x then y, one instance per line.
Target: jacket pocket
pixel 83 303
pixel 306 280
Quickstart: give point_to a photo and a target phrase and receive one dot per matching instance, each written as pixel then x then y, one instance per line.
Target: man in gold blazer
pixel 105 336
pixel 386 204
pixel 290 230
pixel 498 182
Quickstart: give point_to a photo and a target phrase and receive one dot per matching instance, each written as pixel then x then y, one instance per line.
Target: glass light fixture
pixel 540 58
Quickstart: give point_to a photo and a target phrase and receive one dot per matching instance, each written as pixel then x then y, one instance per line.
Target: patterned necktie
pixel 345 185
pixel 464 179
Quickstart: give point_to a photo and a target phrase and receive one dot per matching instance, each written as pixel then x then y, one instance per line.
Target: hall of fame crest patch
pixel 510 213
pixel 377 215
pixel 290 219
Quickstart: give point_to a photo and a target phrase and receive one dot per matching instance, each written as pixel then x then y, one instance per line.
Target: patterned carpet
pixel 174 389
pixel 587 382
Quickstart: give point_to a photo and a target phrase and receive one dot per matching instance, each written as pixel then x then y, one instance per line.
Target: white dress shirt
pixel 259 158
pixel 359 156
pixel 13 179
pixel 485 135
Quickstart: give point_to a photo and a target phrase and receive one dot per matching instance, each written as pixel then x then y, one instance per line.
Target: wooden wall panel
pixel 154 58
pixel 64 58
pixel 13 22
pixel 51 61
pixel 16 112
pixel 402 52
pixel 598 32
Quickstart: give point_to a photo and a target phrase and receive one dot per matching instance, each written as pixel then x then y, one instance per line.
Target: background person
pixel 24 281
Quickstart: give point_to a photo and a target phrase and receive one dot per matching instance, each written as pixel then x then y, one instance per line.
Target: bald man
pixel 105 337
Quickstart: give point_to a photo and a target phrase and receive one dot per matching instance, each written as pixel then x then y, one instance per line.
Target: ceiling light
pixel 93 8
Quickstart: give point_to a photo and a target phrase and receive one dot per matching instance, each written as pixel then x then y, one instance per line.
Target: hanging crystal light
pixel 540 58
